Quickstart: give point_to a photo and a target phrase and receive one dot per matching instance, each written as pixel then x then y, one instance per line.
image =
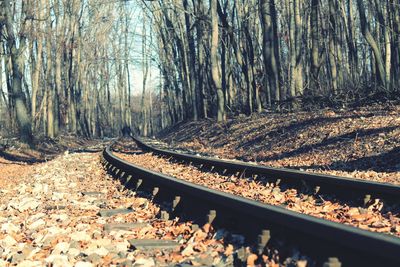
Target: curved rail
pixel 330 182
pixel 369 244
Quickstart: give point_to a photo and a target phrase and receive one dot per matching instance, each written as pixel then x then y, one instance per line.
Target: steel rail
pixel 377 189
pixel 370 244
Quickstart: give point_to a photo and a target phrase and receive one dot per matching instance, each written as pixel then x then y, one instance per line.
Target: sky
pixel 136 71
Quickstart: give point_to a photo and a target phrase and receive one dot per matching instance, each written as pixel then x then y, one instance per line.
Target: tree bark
pixel 215 71
pixel 372 43
pixel 332 45
pixel 271 61
pixel 17 61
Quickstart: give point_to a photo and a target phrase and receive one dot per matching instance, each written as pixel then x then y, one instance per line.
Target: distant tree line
pixel 64 67
pixel 245 56
pixel 65 64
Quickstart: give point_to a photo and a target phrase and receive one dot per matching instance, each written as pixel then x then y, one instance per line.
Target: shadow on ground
pixel 366 139
pixel 26 157
pixel 384 162
pixel 336 141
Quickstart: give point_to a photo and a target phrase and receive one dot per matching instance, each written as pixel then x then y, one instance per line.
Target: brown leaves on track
pixel 38 233
pixel 375 217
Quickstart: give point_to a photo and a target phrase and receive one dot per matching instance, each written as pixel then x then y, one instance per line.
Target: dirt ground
pixel 361 143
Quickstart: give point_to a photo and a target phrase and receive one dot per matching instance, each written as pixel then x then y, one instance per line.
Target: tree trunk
pixel 192 61
pixel 372 43
pixel 388 48
pixel 201 61
pixel 145 67
pixel 49 86
pixel 298 69
pixel 215 71
pixel 271 61
pixel 17 61
pixel 314 44
pixel 332 45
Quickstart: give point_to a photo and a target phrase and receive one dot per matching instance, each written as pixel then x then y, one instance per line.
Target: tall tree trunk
pixel 37 66
pixel 201 61
pixel 371 41
pixel 332 45
pixel 292 47
pixel 17 61
pixel 3 99
pixel 388 49
pixel 49 86
pixel 298 69
pixel 315 62
pixel 215 71
pixel 192 61
pixel 351 41
pixel 145 67
pixel 271 61
pixel 396 43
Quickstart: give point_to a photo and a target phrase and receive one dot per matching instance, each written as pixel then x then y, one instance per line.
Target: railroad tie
pixel 263 239
pixel 367 198
pixel 122 175
pixel 128 179
pixel 195 227
pixel 317 189
pixel 332 262
pixel 242 255
pixel 154 193
pixel 138 184
pixel 109 213
pixel 123 226
pixel 146 244
pixel 55 207
pixel 92 194
pixel 175 202
pixel 212 214
pixel 164 215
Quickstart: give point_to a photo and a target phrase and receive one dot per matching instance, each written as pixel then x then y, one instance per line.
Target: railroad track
pixel 261 223
pixel 325 183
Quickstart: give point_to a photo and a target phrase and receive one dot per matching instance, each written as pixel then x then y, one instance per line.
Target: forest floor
pixel 361 143
pixel 68 212
pixel 45 149
pixel 18 159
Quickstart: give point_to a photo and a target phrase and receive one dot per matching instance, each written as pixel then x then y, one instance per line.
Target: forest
pixel 66 65
pixel 225 133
